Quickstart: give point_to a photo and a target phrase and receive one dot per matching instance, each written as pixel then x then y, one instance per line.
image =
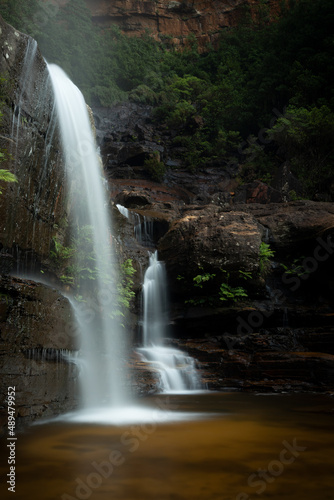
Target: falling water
pixel 142 226
pixel 102 351
pixel 177 370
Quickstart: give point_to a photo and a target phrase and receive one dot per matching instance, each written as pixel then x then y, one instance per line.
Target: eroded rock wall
pixel 32 210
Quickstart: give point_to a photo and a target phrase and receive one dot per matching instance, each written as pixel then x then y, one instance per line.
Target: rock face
pixel 33 209
pixel 176 19
pixel 213 239
pixel 280 337
pixel 37 327
pixel 36 334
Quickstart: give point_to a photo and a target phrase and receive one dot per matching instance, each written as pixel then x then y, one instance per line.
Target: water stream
pixel 177 370
pixel 102 352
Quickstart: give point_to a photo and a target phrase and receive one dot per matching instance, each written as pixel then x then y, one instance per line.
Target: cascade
pixel 142 226
pixel 176 369
pixel 102 352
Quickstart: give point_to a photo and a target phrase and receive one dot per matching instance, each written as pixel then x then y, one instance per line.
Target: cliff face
pixel 32 209
pixel 177 19
pixel 36 321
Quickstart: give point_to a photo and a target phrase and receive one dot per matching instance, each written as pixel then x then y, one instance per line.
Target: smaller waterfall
pixel 142 226
pixel 176 369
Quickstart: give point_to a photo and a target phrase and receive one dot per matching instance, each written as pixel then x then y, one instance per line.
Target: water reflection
pixel 242 447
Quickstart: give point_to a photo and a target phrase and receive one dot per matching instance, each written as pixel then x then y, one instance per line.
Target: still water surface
pixel 213 446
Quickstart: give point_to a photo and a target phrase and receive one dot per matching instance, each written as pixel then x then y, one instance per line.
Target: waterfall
pixel 102 351
pixel 142 226
pixel 176 369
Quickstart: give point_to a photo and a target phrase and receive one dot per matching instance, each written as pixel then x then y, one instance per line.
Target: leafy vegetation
pixel 5 174
pixel 265 254
pixel 216 289
pixel 155 167
pixel 263 96
pixel 77 264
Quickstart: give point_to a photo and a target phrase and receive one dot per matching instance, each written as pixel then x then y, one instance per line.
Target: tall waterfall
pixel 176 369
pixel 102 353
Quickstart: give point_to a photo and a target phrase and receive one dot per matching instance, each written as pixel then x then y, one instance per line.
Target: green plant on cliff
pixel 125 284
pixel 306 137
pixel 155 167
pixel 215 289
pixel 5 175
pixel 265 254
pixel 215 101
pixel 78 264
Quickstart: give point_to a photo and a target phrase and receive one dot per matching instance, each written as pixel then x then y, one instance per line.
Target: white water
pixel 102 352
pixel 177 370
pixel 142 226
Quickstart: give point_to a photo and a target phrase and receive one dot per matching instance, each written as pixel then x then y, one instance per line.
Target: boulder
pixel 295 223
pixel 211 239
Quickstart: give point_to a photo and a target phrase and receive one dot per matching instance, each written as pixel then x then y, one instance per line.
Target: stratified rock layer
pixel 202 19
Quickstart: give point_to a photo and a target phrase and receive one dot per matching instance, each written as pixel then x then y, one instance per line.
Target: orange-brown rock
pixel 178 19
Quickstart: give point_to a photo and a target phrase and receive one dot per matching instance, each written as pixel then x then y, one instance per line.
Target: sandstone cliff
pixel 174 19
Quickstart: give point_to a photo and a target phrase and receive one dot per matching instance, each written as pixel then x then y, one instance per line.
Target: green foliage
pixel 78 263
pixel 155 167
pixel 217 101
pixel 59 251
pixel 306 134
pixel 245 275
pixel 229 293
pixel 265 254
pixel 215 290
pixel 125 285
pixel 5 175
pixel 200 279
pixel 296 268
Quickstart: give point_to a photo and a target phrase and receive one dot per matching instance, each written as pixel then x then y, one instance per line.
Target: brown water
pixel 243 447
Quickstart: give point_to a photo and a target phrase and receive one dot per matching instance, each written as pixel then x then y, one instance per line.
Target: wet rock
pixel 37 331
pixel 213 240
pixel 33 209
pixel 286 183
pixel 294 223
pixel 261 362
